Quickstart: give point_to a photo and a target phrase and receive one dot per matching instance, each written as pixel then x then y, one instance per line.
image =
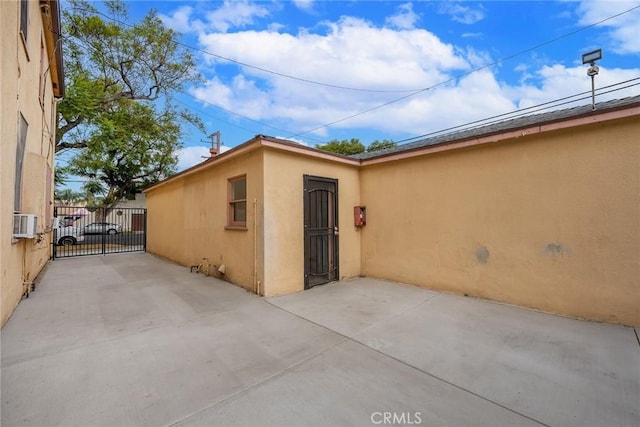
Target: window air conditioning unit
pixel 24 226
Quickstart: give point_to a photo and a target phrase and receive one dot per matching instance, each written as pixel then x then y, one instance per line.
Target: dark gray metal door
pixel 321 237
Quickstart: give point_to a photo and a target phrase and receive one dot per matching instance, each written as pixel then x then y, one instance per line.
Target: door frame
pixel 306 236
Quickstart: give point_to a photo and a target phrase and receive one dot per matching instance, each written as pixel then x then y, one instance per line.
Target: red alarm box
pixel 359 216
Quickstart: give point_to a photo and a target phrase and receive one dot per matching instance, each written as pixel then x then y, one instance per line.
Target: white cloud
pixel 180 20
pixel 354 53
pixel 274 27
pixel 305 5
pixel 235 14
pixel 558 81
pixel 624 30
pixel 231 14
pixel 460 13
pixel 405 18
pixel 294 139
pixel 191 156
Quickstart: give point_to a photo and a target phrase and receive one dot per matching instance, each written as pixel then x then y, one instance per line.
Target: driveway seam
pixel 352 339
pixel 111 339
pixel 459 387
pixel 275 374
pixel 393 316
pixel 259 382
pixel 346 339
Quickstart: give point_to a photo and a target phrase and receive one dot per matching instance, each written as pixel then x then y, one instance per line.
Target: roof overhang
pixel 50 12
pixel 510 134
pixel 293 147
pixel 258 142
pixel 261 141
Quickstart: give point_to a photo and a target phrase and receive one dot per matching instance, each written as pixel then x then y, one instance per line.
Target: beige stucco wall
pixel 283 216
pixel 165 222
pixel 21 260
pixel 550 222
pixel 187 219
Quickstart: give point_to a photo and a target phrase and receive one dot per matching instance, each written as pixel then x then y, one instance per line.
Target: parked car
pixel 66 235
pixel 102 228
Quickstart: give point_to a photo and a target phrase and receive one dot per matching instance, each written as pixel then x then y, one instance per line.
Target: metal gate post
pixel 144 240
pixel 103 216
pixel 54 232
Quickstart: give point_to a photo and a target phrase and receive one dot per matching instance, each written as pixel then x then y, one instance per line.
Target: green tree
pixel 118 113
pixel 68 197
pixel 352 146
pixel 127 150
pixel 59 177
pixel 380 145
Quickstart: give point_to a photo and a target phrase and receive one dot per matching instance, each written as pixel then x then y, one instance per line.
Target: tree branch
pixel 67 145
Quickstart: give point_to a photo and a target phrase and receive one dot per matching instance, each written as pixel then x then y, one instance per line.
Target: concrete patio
pixel 131 339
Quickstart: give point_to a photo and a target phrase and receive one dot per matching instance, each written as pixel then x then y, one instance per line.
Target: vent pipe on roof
pixel 215 144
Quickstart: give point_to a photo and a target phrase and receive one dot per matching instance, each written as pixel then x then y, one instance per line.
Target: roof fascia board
pixel 247 147
pixel 254 144
pixel 274 143
pixel 306 151
pixel 511 134
pixel 50 12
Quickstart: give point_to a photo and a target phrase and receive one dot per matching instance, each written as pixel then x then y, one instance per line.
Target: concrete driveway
pixel 131 339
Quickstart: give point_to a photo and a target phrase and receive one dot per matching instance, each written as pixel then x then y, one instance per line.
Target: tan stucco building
pixel 31 79
pixel 541 211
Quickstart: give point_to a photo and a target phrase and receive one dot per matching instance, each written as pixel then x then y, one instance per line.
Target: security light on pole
pixel 591 58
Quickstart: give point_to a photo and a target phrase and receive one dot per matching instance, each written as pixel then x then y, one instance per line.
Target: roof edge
pixel 294 147
pixel 246 147
pixel 255 143
pixel 597 116
pixel 629 109
pixel 50 12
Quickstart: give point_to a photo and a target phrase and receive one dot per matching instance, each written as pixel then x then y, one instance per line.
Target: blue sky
pixel 436 54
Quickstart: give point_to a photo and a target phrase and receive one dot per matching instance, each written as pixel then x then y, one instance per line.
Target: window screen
pixel 23 126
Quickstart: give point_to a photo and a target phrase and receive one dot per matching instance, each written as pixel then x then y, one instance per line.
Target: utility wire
pixel 499 61
pixel 466 126
pixel 253 132
pixel 413 91
pixel 525 111
pixel 247 65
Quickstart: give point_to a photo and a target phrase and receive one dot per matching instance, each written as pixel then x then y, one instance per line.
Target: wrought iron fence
pixel 78 230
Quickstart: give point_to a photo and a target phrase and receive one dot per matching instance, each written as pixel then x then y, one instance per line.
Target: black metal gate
pixel 320 231
pixel 79 230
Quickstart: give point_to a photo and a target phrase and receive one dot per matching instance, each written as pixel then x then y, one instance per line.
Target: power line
pixel 499 61
pixel 255 67
pixel 525 111
pixel 253 132
pixel 413 91
pixel 479 123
